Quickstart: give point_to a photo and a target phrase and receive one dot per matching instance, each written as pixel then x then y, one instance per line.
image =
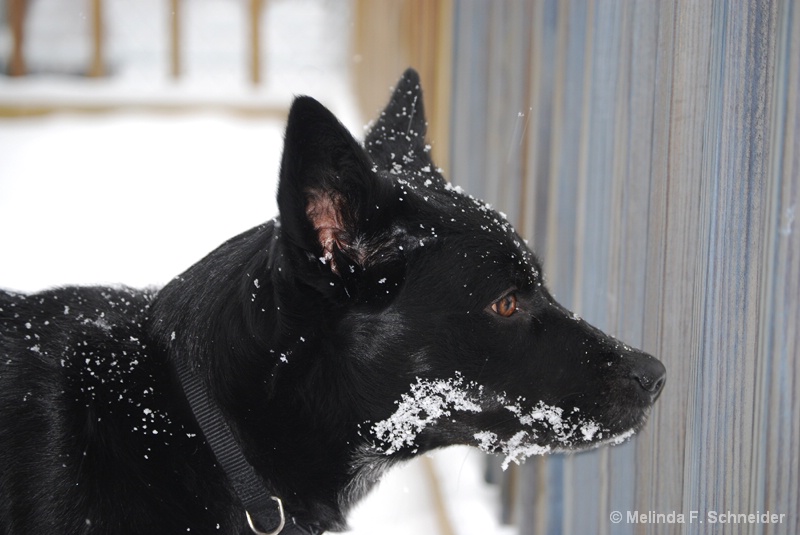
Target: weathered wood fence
pixel 651 153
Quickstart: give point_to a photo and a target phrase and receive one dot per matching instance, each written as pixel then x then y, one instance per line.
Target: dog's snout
pixel 651 375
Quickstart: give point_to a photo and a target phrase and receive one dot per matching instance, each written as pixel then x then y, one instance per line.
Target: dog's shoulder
pixel 55 319
pixel 89 406
pixel 50 339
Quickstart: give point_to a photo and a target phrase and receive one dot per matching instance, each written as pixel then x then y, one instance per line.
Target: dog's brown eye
pixel 505 306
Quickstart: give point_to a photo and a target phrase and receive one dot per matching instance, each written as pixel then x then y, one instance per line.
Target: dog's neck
pixel 270 377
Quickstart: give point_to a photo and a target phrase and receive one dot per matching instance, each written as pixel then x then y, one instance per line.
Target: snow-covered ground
pixel 136 198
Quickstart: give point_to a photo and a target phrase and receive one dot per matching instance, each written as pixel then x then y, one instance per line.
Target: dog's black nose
pixel 651 374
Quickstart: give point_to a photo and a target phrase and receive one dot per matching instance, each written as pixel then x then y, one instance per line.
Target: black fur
pixel 358 329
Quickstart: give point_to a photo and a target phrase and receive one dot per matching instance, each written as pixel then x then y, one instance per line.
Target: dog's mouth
pixel 509 428
pixel 552 429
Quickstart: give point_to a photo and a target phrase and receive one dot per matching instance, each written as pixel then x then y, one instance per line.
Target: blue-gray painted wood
pixel 658 174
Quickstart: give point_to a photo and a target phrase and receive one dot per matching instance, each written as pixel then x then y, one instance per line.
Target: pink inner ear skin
pixel 323 210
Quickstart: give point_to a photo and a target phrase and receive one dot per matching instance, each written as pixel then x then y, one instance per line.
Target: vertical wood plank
pixel 679 253
pixel 254 45
pixel 175 40
pixel 629 236
pixel 16 11
pixel 776 483
pixel 470 71
pixel 440 114
pixel 97 64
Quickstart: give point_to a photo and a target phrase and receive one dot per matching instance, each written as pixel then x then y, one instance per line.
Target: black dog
pixel 384 314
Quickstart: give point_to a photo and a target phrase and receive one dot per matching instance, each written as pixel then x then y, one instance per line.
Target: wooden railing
pixel 99 98
pixel 17 10
pixel 16 20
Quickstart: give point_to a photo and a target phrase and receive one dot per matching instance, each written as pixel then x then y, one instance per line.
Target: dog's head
pixel 432 311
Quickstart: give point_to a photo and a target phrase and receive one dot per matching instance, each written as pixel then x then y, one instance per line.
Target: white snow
pixel 127 198
pixel 544 428
pixel 486 440
pixel 519 447
pixel 588 430
pixel 426 402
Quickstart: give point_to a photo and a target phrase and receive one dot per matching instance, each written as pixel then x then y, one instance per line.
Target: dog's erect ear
pixel 328 196
pixel 396 142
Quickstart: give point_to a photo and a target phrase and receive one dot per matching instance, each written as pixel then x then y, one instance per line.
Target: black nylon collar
pixel 264 511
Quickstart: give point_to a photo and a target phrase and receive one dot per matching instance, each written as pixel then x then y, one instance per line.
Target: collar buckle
pixel 281 524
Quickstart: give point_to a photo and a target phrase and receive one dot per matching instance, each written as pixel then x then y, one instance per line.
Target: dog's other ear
pixel 396 142
pixel 328 195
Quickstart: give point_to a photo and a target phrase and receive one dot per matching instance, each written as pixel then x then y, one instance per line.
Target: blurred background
pixel 648 150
